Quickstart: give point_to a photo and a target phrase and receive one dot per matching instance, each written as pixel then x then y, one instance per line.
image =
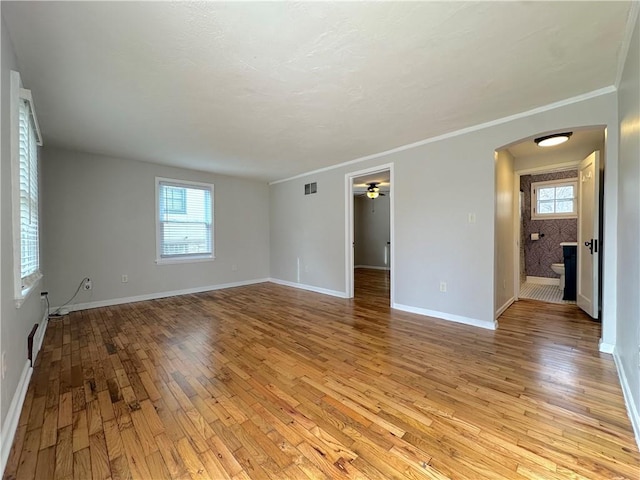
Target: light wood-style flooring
pixel 271 382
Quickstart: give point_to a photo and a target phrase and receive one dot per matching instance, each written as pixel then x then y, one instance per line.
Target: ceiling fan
pixel 373 191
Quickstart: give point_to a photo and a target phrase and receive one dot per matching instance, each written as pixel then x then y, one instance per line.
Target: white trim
pixel 462 131
pixel 310 288
pixel 154 296
pixel 632 411
pixel 26 292
pixel 606 347
pixel 349 222
pixel 10 424
pixel 626 41
pixel 28 97
pixel 506 305
pixel 372 267
pixel 543 280
pixel 15 86
pixel 187 259
pixel 38 338
pixel 556 167
pixel 489 325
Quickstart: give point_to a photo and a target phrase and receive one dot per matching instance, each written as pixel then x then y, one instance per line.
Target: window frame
pixel 535 186
pixel 23 286
pixel 194 258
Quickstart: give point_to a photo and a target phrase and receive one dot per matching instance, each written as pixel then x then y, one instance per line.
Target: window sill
pixel 26 292
pixel 554 217
pixel 172 261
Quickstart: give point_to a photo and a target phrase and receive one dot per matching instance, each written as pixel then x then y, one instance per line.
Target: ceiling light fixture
pixel 553 140
pixel 373 190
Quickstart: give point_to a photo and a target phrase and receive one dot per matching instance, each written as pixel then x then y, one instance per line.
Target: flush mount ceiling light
pixel 553 140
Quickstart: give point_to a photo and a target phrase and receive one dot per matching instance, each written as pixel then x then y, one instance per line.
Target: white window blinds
pixel 28 186
pixel 185 220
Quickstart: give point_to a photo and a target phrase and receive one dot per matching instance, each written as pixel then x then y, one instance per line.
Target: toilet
pixel 559 269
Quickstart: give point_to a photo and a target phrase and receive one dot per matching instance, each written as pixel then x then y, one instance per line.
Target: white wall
pixel 15 324
pixel 628 337
pixel 437 184
pixel 308 232
pixel 371 230
pixel 99 216
pixel 504 287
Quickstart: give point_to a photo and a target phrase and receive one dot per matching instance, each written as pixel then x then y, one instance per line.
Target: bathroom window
pixel 554 199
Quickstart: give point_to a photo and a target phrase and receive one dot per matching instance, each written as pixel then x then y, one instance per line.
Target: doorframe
pixel 349 227
pixel 557 167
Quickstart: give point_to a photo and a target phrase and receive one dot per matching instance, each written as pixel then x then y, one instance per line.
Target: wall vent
pixel 310 188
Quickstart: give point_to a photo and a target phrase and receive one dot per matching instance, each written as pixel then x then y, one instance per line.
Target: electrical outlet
pixel 472 218
pixel 125 278
pixel 4 364
pixel 87 284
pixel 443 286
pixel 234 268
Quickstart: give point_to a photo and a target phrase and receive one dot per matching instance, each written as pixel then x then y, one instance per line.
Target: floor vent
pixel 30 343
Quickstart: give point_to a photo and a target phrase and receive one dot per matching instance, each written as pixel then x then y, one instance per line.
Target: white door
pixel 588 228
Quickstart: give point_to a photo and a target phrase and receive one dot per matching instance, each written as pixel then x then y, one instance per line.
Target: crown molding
pixel 545 108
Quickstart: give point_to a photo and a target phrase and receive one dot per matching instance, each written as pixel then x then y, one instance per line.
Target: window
pixel 554 199
pixel 24 151
pixel 184 221
pixel 175 200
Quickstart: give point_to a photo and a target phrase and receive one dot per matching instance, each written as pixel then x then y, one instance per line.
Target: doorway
pixel 544 237
pixel 542 252
pixel 369 233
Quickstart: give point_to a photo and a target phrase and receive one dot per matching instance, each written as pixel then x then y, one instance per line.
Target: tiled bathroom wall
pixel 540 254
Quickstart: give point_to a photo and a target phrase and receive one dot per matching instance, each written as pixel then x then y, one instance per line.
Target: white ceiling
pixel 271 90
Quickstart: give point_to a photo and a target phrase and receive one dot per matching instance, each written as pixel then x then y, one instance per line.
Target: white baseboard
pixel 372 267
pixel 505 306
pixel 632 411
pixel 447 316
pixel 39 336
pixel 543 280
pixel 311 288
pixel 10 424
pixel 154 296
pixel 605 347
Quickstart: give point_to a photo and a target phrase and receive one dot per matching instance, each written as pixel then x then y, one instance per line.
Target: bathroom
pixel 544 235
pixel 540 217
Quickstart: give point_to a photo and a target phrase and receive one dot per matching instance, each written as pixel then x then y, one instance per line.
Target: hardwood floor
pixel 266 381
pixel 372 286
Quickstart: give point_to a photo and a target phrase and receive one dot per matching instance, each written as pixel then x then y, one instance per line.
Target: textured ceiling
pixel 271 90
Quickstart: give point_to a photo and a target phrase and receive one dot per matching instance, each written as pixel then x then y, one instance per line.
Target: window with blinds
pixel 24 152
pixel 185 220
pixel 28 173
